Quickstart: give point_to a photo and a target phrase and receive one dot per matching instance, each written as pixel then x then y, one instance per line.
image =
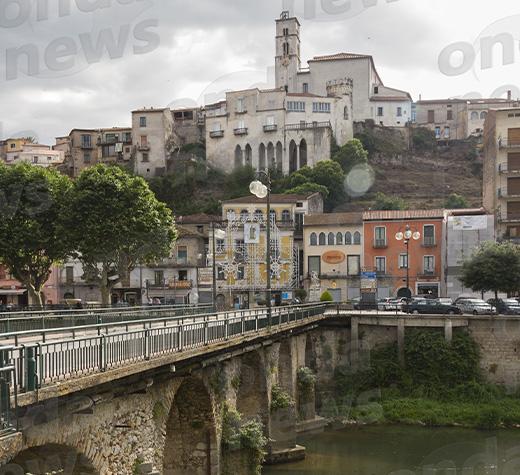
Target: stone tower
pixel 287 59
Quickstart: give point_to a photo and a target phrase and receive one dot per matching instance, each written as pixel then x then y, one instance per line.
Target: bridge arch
pixel 47 458
pixel 191 437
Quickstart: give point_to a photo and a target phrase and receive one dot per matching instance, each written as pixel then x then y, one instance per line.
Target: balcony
pixel 308 125
pixel 143 146
pixel 508 217
pixel 215 134
pixel 426 272
pixel 380 243
pixel 87 145
pixel 240 131
pixel 270 128
pixel 429 241
pixel 507 168
pixel 508 143
pixel 509 192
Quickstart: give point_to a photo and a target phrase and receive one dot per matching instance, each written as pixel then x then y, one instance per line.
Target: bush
pixel 326 297
pixel 489 418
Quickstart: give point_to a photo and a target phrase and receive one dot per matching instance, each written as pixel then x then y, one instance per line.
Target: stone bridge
pixel 167 415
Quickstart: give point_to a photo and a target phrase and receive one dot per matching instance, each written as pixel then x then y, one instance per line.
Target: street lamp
pixel 407 235
pixel 219 234
pixel 260 190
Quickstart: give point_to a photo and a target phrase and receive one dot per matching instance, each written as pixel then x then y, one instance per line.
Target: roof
pixel 305 94
pixel 465 211
pixel 380 215
pixel 390 98
pixel 151 109
pixel 289 198
pixel 184 232
pixel 330 219
pixel 441 101
pixel 199 218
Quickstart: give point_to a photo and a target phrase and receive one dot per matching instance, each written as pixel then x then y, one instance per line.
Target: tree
pixel 386 203
pixel 351 154
pixel 30 201
pixel 114 222
pixel 455 201
pixel 492 266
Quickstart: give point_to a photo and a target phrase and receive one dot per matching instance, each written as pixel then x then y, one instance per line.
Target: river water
pixel 406 450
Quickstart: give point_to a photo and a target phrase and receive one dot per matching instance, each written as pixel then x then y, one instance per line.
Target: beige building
pixel 501 173
pixel 333 250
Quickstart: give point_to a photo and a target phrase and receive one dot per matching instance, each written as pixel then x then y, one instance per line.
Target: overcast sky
pixel 179 53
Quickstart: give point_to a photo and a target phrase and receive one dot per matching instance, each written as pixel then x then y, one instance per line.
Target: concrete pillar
pixel 400 340
pixel 448 330
pixel 354 340
pixel 297 157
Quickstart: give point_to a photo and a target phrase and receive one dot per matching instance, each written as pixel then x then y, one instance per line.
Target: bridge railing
pixel 8 386
pixel 11 322
pixel 60 360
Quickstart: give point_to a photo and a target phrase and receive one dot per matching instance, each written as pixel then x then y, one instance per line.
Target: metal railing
pixel 308 125
pixel 39 364
pixel 8 387
pixel 508 143
pixel 13 322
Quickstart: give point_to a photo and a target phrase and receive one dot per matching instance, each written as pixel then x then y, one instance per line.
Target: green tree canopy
pixel 351 154
pixel 30 201
pixel 492 266
pixel 455 201
pixel 114 222
pixel 386 203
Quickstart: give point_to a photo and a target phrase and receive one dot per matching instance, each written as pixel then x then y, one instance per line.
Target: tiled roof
pixel 332 57
pixel 441 101
pixel 403 214
pixel 199 218
pixel 274 199
pixel 330 219
pixel 183 231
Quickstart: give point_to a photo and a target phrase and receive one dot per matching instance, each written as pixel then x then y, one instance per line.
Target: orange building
pixel 388 255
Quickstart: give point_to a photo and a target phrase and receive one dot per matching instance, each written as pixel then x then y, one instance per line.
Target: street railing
pixel 39 364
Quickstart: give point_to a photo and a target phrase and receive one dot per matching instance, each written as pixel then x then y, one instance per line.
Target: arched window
pixel 259 215
pixel 483 114
pixel 348 238
pixel 322 239
pixel 274 216
pixel 244 215
pixel 314 239
pixel 330 239
pixel 339 238
pixel 474 115
pixel 286 215
pixel 231 214
pixel 357 237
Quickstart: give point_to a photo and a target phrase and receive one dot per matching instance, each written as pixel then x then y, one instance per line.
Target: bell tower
pixel 287 59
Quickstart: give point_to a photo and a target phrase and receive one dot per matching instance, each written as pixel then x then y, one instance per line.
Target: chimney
pixel 509 95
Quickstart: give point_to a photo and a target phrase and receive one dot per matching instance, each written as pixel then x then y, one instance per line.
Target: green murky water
pixel 407 450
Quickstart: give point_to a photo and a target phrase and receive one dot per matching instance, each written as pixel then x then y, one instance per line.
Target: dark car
pixel 429 306
pixel 507 306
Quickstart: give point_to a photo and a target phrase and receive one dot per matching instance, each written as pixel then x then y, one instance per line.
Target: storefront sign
pixel 333 257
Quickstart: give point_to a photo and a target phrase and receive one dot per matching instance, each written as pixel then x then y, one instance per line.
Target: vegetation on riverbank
pixel 440 384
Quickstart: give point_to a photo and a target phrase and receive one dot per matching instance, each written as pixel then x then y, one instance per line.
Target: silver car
pixel 476 307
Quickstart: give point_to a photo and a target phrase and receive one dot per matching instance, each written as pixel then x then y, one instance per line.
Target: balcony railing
pixel 508 217
pixel 216 134
pixel 143 146
pixel 509 192
pixel 509 143
pixel 308 125
pixel 429 241
pixel 426 271
pixel 380 243
pixel 508 168
pixel 270 128
pixel 87 145
pixel 240 131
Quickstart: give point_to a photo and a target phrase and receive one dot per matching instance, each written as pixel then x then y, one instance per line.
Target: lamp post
pixel 407 235
pixel 219 234
pixel 260 190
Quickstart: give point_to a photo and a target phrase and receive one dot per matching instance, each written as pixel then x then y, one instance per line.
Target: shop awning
pixel 12 291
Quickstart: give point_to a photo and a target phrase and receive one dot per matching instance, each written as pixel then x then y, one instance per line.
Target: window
pixel 305 87
pixel 345 112
pixel 259 215
pixel 108 150
pixel 271 105
pixel 69 274
pixel 240 249
pixel 270 120
pixel 357 237
pixel 86 158
pixel 314 264
pixel 13 145
pixel 376 90
pixel 241 124
pixel 428 235
pixel 240 105
pixel 379 111
pixel 127 136
pixel 348 238
pixel 182 252
pixel 474 115
pixel 380 262
pixel 220 273
pixel 286 215
pixel 399 112
pixel 142 121
pixel 231 214
pixel 86 141
pixel 244 215
pixel 446 132
pixel 274 216
pixel 339 238
pixel 437 132
pixel 449 115
pixel 183 275
pixel 159 277
pixel 353 265
pixel 483 114
pixel 296 106
pixel 216 127
pixel 314 239
pixel 403 261
pixel 219 245
pixel 145 157
pixel 241 273
pixel 285 49
pixel 380 236
pixel 322 239
pixel 330 239
pixel 321 107
pixel 431 116
pixel 429 264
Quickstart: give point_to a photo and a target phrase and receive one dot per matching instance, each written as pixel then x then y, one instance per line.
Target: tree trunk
pixel 35 297
pixel 105 294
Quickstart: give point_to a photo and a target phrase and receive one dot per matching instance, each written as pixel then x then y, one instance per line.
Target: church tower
pixel 287 60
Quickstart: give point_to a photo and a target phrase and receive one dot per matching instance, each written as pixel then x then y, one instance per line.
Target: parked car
pixel 389 304
pixel 475 306
pixel 445 300
pixel 507 306
pixel 427 306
